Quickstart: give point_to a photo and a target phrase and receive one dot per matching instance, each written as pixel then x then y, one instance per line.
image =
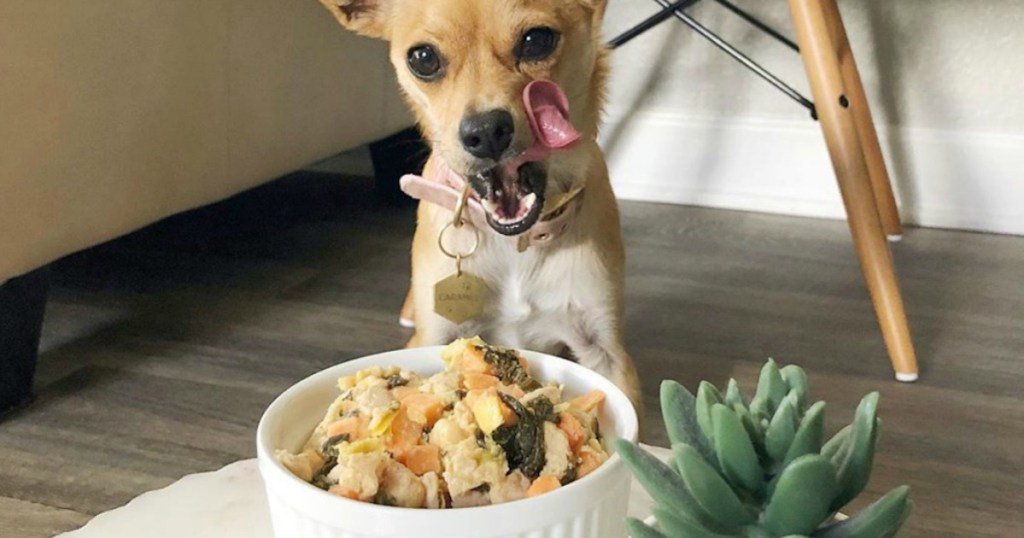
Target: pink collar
pixel 447 186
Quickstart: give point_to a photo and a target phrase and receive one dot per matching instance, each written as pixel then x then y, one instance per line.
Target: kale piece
pixel 507 367
pixel 384 498
pixel 522 442
pixel 320 477
pixel 397 381
pixel 542 408
pixel 571 475
pixel 330 446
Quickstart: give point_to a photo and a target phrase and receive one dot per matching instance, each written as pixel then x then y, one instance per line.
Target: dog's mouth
pixel 512 196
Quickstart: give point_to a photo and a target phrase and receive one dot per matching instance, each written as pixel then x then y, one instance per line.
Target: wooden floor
pixel 161 350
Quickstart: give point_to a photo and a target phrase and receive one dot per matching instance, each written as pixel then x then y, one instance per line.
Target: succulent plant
pixel 761 468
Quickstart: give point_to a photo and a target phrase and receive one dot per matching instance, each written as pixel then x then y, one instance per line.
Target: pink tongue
pixel 547 108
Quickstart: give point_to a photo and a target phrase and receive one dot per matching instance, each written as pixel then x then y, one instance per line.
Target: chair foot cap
pixel 894 238
pixel 906 378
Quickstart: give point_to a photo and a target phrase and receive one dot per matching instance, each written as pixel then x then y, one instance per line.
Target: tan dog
pixel 463 65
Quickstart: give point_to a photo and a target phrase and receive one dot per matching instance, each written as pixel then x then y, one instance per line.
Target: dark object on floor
pixel 22 302
pixel 402 153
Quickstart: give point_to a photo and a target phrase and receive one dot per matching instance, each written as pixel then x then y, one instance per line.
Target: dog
pixel 508 93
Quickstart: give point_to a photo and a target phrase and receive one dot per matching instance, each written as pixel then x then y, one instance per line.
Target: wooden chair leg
pixel 821 61
pixel 880 182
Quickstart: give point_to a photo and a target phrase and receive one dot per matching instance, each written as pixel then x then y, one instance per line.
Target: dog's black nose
pixel 487 135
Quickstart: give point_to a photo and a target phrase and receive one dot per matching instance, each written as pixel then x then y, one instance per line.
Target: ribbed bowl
pixel 592 507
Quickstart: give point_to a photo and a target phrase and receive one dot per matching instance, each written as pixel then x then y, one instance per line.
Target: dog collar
pixel 444 191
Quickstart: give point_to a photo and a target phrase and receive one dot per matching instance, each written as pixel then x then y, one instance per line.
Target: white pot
pixel 592 507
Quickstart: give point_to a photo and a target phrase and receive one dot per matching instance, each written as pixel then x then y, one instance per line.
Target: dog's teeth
pixel 529 200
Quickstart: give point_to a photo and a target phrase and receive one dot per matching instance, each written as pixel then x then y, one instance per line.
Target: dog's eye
pixel 425 62
pixel 536 44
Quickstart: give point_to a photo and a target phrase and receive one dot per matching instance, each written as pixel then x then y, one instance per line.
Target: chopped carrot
pixel 423 407
pixel 342 491
pixel 422 459
pixel 474 380
pixel 589 401
pixel 472 360
pixel 542 485
pixel 405 434
pixel 399 392
pixel 355 427
pixel 589 461
pixel 573 430
pixel 512 390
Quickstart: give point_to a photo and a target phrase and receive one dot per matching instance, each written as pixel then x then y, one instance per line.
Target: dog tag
pixel 459 298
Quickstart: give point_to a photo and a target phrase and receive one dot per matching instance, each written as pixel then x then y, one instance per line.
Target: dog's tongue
pixel 547 108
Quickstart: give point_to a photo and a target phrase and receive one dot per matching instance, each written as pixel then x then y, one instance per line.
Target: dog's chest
pixel 535 295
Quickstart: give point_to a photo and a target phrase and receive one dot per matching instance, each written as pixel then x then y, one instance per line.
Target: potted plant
pixel 761 468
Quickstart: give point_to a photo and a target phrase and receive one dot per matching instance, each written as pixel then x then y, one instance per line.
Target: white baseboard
pixel 963 180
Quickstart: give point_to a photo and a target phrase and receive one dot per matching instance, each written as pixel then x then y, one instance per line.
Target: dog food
pixel 482 431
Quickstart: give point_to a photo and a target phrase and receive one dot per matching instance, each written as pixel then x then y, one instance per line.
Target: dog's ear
pixel 366 17
pixel 598 7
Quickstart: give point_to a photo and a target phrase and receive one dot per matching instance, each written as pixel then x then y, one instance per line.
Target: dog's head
pixel 464 64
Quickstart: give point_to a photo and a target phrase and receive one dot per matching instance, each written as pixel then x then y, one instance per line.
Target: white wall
pixel 945 78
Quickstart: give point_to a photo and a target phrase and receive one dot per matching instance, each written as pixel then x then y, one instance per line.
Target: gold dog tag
pixel 460 297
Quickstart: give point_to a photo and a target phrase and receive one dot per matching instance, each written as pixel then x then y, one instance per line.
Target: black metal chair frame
pixel 678 10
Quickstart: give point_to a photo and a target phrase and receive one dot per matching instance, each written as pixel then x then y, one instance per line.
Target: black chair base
pixel 22 304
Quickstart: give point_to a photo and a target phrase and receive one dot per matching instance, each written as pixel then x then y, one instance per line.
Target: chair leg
pixel 22 303
pixel 821 61
pixel 880 182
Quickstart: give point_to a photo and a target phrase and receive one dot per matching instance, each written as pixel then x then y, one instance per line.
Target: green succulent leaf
pixel 752 425
pixel 838 446
pixel 677 526
pixel 679 409
pixel 855 469
pixel 771 388
pixel 733 395
pixel 781 430
pixel 707 396
pixel 796 380
pixel 809 436
pixel 664 485
pixel 710 490
pixel 639 529
pixel 802 497
pixel 736 453
pixel 882 519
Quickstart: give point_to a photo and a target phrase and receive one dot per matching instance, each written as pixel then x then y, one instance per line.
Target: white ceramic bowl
pixel 592 507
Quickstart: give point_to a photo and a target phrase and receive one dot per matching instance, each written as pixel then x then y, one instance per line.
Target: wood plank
pixel 21 519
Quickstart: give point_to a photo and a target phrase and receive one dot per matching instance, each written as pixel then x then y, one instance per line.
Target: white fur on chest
pixel 538 296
